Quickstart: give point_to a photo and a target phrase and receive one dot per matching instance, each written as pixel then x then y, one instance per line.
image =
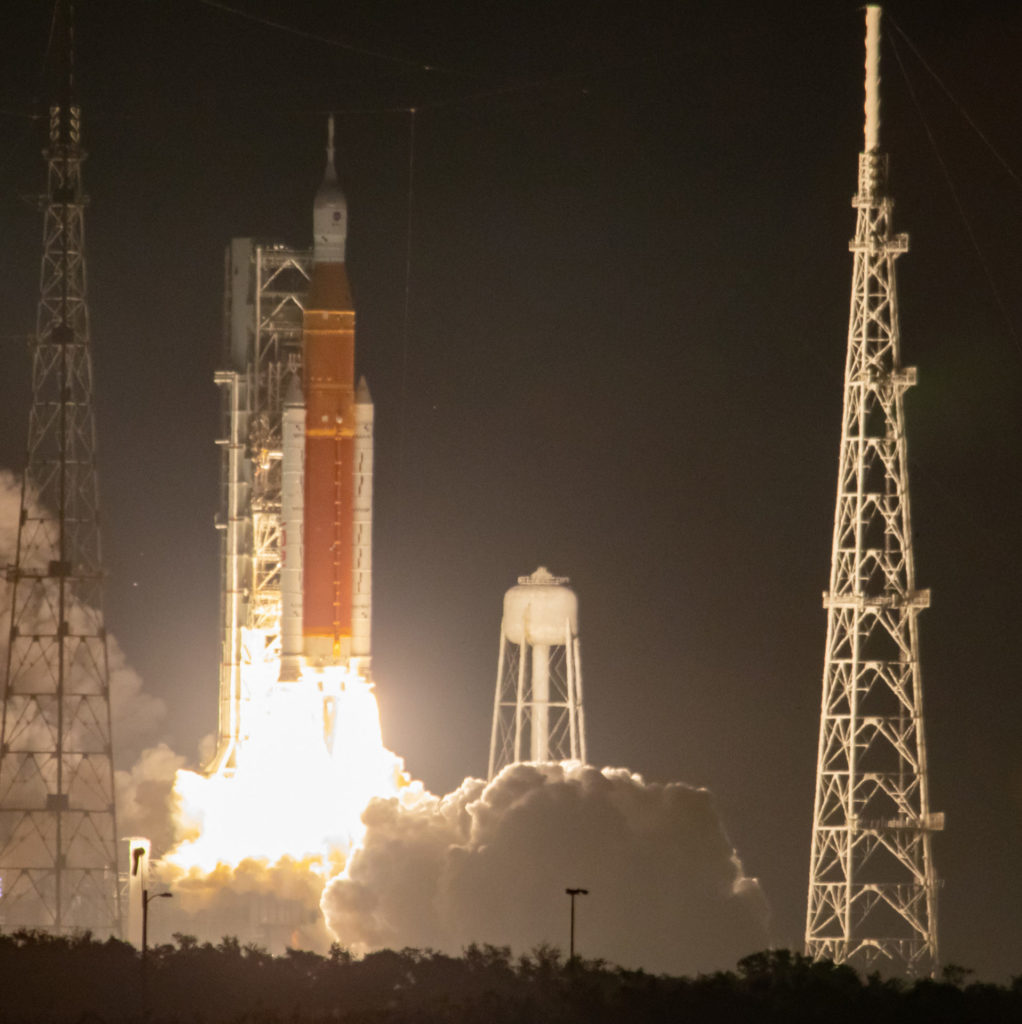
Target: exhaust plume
pixel 490 863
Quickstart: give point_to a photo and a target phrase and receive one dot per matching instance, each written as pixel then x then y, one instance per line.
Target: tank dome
pixel 541 610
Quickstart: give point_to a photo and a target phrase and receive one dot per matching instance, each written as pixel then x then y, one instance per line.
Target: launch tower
pixel 872 885
pixel 58 830
pixel 537 706
pixel 264 292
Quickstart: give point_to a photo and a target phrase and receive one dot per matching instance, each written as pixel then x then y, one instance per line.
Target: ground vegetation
pixel 79 980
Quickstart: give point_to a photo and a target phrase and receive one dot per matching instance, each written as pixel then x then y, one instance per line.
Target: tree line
pixel 79 980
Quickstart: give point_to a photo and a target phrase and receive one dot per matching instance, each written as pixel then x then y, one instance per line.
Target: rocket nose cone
pixel 329 211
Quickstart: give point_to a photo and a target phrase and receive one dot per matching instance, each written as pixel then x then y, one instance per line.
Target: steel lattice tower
pixel 58 832
pixel 872 885
pixel 264 288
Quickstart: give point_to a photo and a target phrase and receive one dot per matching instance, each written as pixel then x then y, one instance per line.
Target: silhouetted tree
pixel 76 980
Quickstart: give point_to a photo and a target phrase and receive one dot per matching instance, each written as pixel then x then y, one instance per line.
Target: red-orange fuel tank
pixel 328 360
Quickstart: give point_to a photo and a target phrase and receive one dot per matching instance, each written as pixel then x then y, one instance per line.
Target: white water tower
pixel 537 708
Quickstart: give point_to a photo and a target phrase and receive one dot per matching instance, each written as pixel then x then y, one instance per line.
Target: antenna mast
pixel 58 829
pixel 872 885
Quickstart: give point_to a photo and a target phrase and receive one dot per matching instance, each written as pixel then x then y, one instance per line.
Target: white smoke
pixel 144 795
pixel 484 864
pixel 137 715
pixel 10 509
pixel 143 790
pixel 490 863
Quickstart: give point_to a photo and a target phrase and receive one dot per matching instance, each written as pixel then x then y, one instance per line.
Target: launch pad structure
pixel 872 884
pixel 264 291
pixel 58 823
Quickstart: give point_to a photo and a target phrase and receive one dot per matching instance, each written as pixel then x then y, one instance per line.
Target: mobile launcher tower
pixel 296 475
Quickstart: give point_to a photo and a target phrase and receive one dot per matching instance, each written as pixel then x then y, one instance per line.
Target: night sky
pixel 612 344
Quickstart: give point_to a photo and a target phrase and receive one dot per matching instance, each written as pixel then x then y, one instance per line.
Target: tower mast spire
pixel 58 830
pixel 872 884
pixel 871 128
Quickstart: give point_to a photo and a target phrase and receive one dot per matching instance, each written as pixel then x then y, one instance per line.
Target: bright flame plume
pixel 308 760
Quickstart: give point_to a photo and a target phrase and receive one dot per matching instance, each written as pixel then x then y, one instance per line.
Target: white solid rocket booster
pixel 362 540
pixel 292 511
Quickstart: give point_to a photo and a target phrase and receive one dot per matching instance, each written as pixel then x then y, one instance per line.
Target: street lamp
pixel 146 899
pixel 573 893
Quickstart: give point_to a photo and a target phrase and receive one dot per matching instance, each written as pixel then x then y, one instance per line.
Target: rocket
pixel 330 493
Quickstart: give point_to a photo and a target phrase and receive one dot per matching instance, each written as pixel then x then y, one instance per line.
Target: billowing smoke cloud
pixel 145 795
pixel 486 863
pixel 137 715
pixel 143 790
pixel 490 863
pixel 274 905
pixel 10 507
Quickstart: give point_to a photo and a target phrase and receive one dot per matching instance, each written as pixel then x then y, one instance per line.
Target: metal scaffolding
pixel 265 287
pixel 58 830
pixel 872 884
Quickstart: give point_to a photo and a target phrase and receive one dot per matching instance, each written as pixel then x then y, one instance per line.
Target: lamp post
pixel 573 893
pixel 146 898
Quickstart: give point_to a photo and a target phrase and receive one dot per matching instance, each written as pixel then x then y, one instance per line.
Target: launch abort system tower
pixel 58 829
pixel 872 886
pixel 537 706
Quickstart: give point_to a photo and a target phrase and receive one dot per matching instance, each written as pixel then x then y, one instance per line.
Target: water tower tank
pixel 540 609
pixel 537 708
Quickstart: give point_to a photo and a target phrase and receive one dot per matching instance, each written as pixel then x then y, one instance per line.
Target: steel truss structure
pixel 265 288
pixel 537 708
pixel 872 885
pixel 58 828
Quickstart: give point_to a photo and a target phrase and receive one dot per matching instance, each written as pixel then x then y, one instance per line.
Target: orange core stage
pixel 329 372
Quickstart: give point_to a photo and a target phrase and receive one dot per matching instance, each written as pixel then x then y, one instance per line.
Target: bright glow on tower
pixel 872 884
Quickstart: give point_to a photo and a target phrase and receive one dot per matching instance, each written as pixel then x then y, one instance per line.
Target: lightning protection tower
pixel 58 832
pixel 872 886
pixel 537 707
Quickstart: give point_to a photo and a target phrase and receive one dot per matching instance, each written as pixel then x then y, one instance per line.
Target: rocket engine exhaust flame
pixel 312 761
